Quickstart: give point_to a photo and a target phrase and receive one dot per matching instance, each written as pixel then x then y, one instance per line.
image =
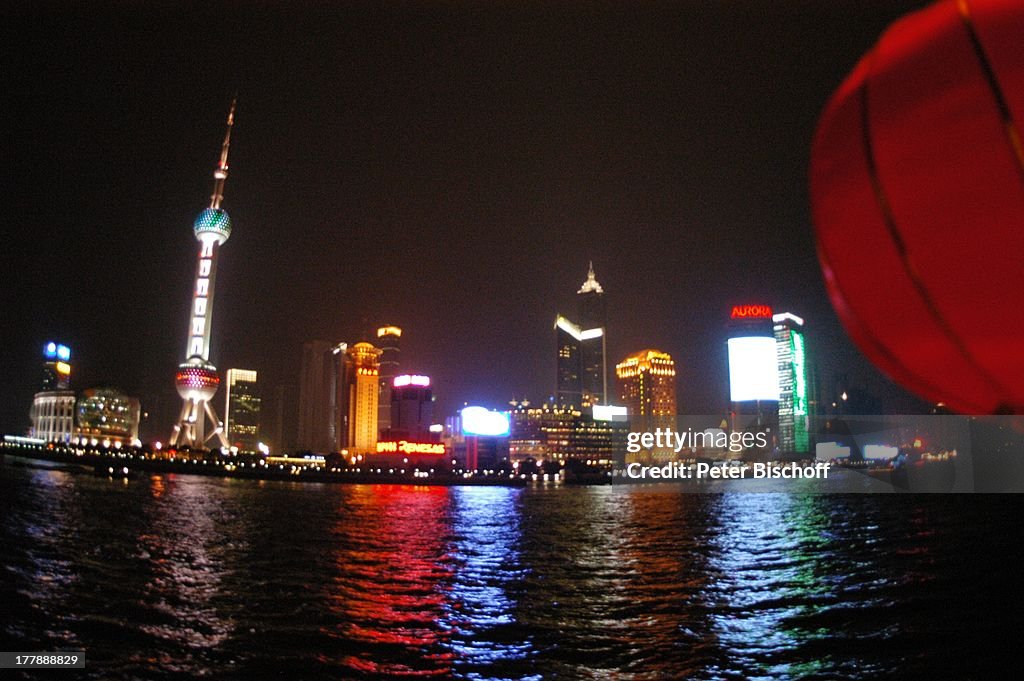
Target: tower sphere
pixel 197 381
pixel 213 223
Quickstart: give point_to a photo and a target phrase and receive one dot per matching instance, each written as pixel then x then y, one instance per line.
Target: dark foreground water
pixel 183 577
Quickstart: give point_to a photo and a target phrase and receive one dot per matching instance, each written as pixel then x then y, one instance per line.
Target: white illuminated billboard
pixel 753 369
pixel 609 412
pixel 481 421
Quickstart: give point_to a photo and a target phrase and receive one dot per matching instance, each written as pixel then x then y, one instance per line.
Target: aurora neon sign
pixel 751 312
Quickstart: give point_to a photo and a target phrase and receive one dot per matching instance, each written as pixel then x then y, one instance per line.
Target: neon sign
pixel 402 381
pixel 406 447
pixel 751 312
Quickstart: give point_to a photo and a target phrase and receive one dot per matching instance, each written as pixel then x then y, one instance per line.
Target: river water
pixel 176 577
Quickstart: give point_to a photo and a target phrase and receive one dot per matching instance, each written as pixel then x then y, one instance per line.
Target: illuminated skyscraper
pixel 362 368
pixel 582 379
pixel 753 364
pixel 753 376
pixel 647 384
pixel 647 387
pixel 388 338
pixel 242 410
pixel 794 384
pixel 197 378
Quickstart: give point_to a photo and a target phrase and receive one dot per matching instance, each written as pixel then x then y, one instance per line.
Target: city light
pixel 482 421
pixel 407 379
pixel 753 369
pixel 751 312
pixel 407 447
pixel 609 412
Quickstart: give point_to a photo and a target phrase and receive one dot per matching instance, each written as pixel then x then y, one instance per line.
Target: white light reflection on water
pixel 479 611
pixel 777 571
pixel 182 549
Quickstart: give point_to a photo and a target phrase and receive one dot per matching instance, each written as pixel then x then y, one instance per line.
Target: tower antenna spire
pixel 220 174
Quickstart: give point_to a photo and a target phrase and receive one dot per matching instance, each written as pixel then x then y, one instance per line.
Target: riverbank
pixel 128 462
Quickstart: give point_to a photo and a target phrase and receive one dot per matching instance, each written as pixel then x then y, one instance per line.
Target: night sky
pixel 447 167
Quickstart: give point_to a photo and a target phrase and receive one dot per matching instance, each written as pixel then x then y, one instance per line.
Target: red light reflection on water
pixel 392 580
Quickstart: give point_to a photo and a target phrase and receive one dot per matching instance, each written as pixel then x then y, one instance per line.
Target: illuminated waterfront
pixel 166 577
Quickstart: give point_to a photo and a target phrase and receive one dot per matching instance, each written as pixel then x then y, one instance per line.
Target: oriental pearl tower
pixel 197 379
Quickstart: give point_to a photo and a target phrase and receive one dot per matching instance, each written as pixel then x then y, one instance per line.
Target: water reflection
pixel 392 568
pixel 182 547
pixel 182 577
pixel 788 571
pixel 481 599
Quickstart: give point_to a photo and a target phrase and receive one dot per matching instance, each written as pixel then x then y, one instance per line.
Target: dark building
pixel 411 408
pixel 315 398
pixel 280 423
pixel 388 340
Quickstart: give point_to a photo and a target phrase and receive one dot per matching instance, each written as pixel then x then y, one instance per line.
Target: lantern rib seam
pixel 1009 125
pixel 898 242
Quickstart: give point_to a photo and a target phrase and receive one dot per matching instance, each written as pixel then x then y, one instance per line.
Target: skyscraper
pixel 57 367
pixel 315 397
pixel 242 410
pixel 582 378
pixel 388 338
pixel 753 362
pixel 412 407
pixel 794 383
pixel 647 384
pixel 279 424
pixel 363 377
pixel 53 407
pixel 197 378
pixel 338 397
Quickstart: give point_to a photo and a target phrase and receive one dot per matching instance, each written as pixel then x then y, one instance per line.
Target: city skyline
pixel 458 203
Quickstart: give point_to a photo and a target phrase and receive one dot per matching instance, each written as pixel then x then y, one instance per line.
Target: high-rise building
pixel 647 384
pixel 753 376
pixel 582 377
pixel 280 419
pixel 338 397
pixel 57 366
pixel 107 415
pixel 388 340
pixel 53 408
pixel 412 407
pixel 794 383
pixel 197 379
pixel 242 410
pixel 315 397
pixel 591 308
pixel 363 376
pixel 753 361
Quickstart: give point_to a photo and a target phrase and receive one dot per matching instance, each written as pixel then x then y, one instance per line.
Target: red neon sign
pixel 406 447
pixel 751 312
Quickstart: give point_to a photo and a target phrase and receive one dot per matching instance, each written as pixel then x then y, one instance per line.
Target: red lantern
pixel 917 190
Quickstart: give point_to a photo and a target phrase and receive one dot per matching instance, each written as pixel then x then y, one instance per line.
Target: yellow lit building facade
pixel 647 387
pixel 363 371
